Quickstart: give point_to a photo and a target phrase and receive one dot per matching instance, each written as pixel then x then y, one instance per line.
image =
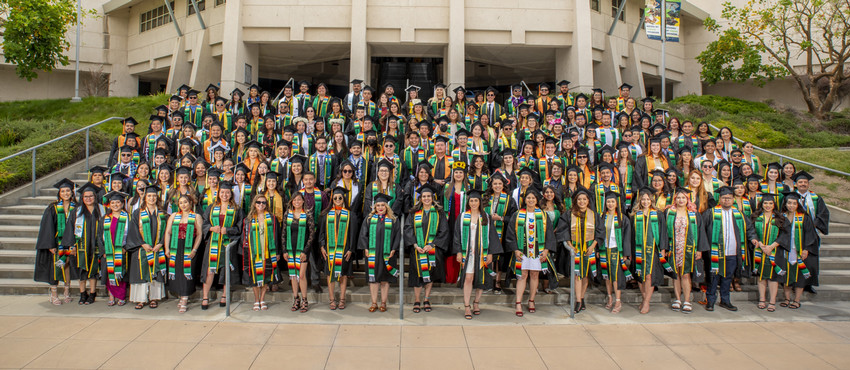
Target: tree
pixel 33 34
pixel 806 40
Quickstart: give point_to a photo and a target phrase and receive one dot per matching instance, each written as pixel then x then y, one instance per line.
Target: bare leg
pixel 686 286
pixel 647 293
pixel 520 288
pixel 302 281
pixel 609 285
pixel 577 289
pixel 208 284
pixel 467 288
pixel 92 285
pixel 678 287
pixel 417 292
pixel 385 291
pixel 373 292
pixel 534 281
pixel 331 295
pixel 343 284
pixel 762 287
pixel 773 288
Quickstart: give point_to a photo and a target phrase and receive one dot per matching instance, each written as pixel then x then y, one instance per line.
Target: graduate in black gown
pixel 297 235
pixel 146 248
pixel 499 208
pixel 81 237
pixel 474 243
pixel 794 260
pixel 222 225
pixel 426 237
pixel 649 236
pixel 379 239
pixel 615 250
pixel 816 208
pixel 183 236
pixel 52 259
pixel 112 236
pixel 338 234
pixel 260 250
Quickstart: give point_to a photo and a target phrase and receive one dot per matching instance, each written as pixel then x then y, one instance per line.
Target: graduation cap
pixel 509 151
pixel 254 87
pixel 166 167
pixel 152 188
pixel 155 117
pixel 175 97
pixel 491 88
pixel 441 139
pixel 417 101
pixel 598 108
pixel 648 100
pixel 683 149
pixel 385 163
pixel 625 86
pixel 582 150
pixel 356 81
pixel 272 175
pixel 534 190
pixel 439 85
pixel 339 190
pixel 672 170
pixel 791 195
pixel 551 140
pixel 462 132
pixel 657 173
pixel 220 99
pixel 369 89
pixel 188 124
pixel 474 194
pixel 192 93
pixel 412 88
pixel 183 170
pixel 161 108
pixel 543 85
pixel 241 167
pixel 116 195
pixel 662 111
pixel 682 190
pixel 774 165
pixel 298 158
pixel 802 175
pixel 126 148
pixel 98 169
pixel 391 139
pixel 427 188
pixel 527 171
pixel 623 144
pixel 754 178
pixel 598 90
pixel 459 88
pixel 254 144
pixel 563 83
pixel 533 116
pixel 472 104
pixel 303 82
pixel 190 157
pixel 283 142
pixel 88 187
pixel 612 195
pixel 214 172
pixel 769 197
pixel 129 120
pixel 168 143
pixel 605 166
pixel 725 190
pixel 354 143
pixel 581 190
pixel 655 139
pixel 381 198
pixel 581 96
pixel 737 180
pixel 572 168
pixel 218 147
pixel 524 105
pixel 645 190
pixel 290 129
pixel 64 183
pixel 236 91
pixel 226 184
pixel 212 87
pixel 426 165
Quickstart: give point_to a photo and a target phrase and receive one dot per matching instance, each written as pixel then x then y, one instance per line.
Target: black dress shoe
pixel 810 289
pixel 728 306
pixel 709 307
pixel 577 308
pixel 583 307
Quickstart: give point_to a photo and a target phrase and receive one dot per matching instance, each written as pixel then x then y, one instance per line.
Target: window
pixel 615 5
pixel 201 6
pixel 154 18
pixel 594 5
pixel 220 2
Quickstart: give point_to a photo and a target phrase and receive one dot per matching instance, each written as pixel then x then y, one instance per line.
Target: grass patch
pixel 827 157
pixel 26 124
pixel 723 103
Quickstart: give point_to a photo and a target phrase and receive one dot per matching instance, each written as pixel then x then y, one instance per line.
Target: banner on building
pixel 652 20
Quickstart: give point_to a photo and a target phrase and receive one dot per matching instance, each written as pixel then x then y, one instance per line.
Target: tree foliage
pixel 805 40
pixel 34 34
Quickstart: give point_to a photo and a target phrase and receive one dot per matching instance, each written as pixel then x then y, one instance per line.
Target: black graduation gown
pixel 397 204
pixel 564 234
pixel 179 284
pixel 104 277
pixel 350 244
pixel 137 259
pixel 84 263
pixel 703 245
pixel 244 250
pixel 510 244
pixel 821 222
pixel 441 242
pixel 234 232
pixel 309 241
pixel 641 176
pixel 708 222
pixel 410 194
pixel 793 275
pixel 657 270
pixel 481 277
pixel 44 259
pixel 502 258
pixel 626 228
pixel 783 238
pixel 381 273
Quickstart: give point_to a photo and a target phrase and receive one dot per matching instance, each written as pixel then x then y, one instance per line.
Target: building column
pixel 359 63
pixel 236 54
pixel 455 62
pixel 575 63
pixel 633 74
pixel 123 83
pixel 607 72
pixel 180 70
pixel 205 68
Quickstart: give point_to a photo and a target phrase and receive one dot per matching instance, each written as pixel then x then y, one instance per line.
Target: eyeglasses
pixel 262 203
pixel 347 171
pixel 491 94
pixel 338 197
pixel 126 155
pixel 706 166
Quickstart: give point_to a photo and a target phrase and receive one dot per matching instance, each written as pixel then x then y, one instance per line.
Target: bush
pixel 723 103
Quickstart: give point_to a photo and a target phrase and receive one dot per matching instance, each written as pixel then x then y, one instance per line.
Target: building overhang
pixel 114 5
pixel 691 9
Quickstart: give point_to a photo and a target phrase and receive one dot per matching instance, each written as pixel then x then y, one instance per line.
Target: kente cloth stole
pixel 767 235
pixel 219 240
pixel 646 239
pixel 583 231
pixel 187 245
pixel 534 241
pixel 262 246
pixel 154 262
pixel 718 230
pixel 482 239
pixel 373 241
pixel 294 262
pixel 327 167
pixel 612 224
pixel 337 240
pixel 690 240
pixel 114 246
pixel 501 209
pixel 426 261
pixel 62 252
pixel 798 245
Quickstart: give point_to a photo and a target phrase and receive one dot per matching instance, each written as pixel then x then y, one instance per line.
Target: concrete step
pixel 834 250
pixel 42 200
pixel 18 256
pixel 17 243
pixel 836 238
pixel 23 220
pixel 16 270
pixel 28 231
pixel 834 277
pixel 834 263
pixel 837 227
pixel 23 210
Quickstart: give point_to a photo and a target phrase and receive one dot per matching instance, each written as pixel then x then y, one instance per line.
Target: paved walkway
pixel 34 334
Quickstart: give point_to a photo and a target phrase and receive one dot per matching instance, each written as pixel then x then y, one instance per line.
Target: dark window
pixel 201 6
pixel 154 18
pixel 615 5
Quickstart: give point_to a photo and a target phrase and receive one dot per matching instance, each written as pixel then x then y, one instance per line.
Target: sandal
pixel 466 315
pixel 530 308
pixel 256 306
pixel 383 307
pixel 341 304
pixel 53 298
pixel 785 303
pixel 223 302
pixel 205 304
pixel 296 303
pixel 332 305
pixel 677 305
pixel 416 308
pixel 519 310
pixel 617 306
pixel 140 305
pixel 84 297
pixel 373 307
pixel 477 309
pixel 122 302
pixel 264 306
pixel 67 295
pixel 686 307
pixel 426 305
pixel 761 305
pixel 183 305
pixel 154 304
pixel 610 302
pixel 795 305
pixel 771 307
pixel 304 305
pixel 90 298
pixel 111 302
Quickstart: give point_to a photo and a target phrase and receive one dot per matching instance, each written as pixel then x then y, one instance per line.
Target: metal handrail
pixel 227 291
pixel 782 156
pixel 87 129
pixel 573 285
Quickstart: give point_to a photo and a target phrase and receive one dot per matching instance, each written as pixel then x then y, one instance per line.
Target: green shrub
pixel 723 103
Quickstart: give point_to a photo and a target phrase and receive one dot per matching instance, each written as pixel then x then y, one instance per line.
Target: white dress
pixel 529 263
pixel 472 246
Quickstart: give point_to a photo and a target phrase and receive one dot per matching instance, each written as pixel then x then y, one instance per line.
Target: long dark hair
pixel 778 217
pixel 558 203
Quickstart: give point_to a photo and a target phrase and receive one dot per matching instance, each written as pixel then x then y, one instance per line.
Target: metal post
pixel 663 53
pixel 401 273
pixel 33 172
pixel 227 292
pixel 173 18
pixel 617 17
pixel 87 150
pixel 640 25
pixel 76 98
pixel 573 284
pixel 198 13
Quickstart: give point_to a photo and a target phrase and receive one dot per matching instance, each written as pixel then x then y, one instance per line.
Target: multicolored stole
pixel 262 246
pixel 646 239
pixel 428 260
pixel 612 224
pixel 154 262
pixel 767 235
pixel 599 192
pixel 114 246
pixel 691 232
pixel 220 239
pixel 317 201
pixel 62 252
pixel 501 209
pixel 188 242
pixel 294 262
pixel 797 241
pixel 336 240
pixel 718 230
pixel 373 232
pixel 390 191
pixel 534 241
pixel 582 232
pixel 482 238
pixel 626 181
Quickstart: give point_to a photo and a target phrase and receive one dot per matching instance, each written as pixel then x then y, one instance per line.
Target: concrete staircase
pixel 19 223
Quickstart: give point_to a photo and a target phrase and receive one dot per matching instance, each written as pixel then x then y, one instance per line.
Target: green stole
pixel 501 209
pixel 718 251
pixel 317 201
pixel 154 262
pixel 612 224
pixel 767 236
pixel 691 232
pixel 580 227
pixel 599 195
pixel 114 246
pixel 427 261
pixel 62 252
pixel 646 241
pixel 797 244
pixel 482 238
pixel 294 262
pixel 188 242
pixel 336 240
pixel 220 239
pixel 262 248
pixel 371 251
pixel 533 243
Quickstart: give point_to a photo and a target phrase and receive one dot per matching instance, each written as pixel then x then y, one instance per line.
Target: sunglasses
pixel 347 171
pixel 262 203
